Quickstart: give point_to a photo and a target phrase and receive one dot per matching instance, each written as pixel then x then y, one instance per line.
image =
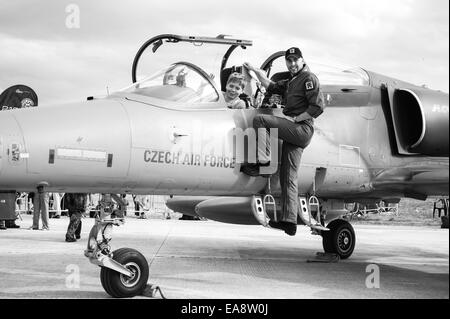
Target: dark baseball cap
pixel 294 52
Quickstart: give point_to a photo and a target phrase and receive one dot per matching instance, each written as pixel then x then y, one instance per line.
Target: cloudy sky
pixel 404 39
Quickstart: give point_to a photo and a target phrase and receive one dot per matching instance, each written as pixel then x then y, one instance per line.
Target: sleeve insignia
pixel 309 85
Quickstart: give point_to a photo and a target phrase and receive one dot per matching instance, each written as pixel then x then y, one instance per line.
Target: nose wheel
pixel 340 239
pixel 121 286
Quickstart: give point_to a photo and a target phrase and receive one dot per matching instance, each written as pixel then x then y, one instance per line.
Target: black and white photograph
pixel 222 156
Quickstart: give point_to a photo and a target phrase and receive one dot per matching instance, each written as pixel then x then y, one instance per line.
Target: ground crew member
pixel 57 204
pixel 40 208
pixel 123 206
pixel 304 101
pixel 139 204
pixel 76 204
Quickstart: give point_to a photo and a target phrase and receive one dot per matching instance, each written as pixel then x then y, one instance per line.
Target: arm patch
pixel 309 85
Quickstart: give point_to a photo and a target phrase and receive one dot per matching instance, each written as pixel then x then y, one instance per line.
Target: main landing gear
pixel 338 236
pixel 340 239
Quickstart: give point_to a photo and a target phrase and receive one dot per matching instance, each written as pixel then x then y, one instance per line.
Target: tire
pixel 118 285
pixel 340 239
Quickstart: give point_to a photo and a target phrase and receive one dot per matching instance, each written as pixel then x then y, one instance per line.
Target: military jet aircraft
pixel 171 132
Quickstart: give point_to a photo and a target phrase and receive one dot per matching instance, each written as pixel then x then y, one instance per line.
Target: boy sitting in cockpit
pixel 235 87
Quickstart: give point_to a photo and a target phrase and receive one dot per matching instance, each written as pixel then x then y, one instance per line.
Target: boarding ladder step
pixel 259 208
pixel 305 212
pixel 262 207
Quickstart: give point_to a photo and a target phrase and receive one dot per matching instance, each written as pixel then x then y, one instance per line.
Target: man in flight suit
pixel 304 102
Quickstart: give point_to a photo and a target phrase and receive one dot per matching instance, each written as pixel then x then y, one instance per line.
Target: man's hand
pixel 248 66
pixel 249 71
pixel 290 118
pixel 287 117
pixel 260 74
pixel 302 117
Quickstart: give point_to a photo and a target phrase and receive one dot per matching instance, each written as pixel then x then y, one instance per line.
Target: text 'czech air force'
pixel 179 158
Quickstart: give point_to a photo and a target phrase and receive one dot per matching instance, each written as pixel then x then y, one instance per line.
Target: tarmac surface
pixel 205 259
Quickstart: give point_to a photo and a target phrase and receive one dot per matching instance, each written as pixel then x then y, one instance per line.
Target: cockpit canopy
pixel 180 82
pixel 197 84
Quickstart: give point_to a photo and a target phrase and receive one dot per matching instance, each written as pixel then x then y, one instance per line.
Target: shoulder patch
pixel 309 85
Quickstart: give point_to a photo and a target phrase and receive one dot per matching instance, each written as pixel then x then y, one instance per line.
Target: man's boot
pixel 289 228
pixel 250 169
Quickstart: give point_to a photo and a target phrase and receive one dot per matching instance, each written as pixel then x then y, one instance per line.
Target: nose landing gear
pixel 119 285
pixel 124 272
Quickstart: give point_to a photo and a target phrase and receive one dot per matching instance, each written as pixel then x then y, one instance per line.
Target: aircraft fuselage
pixel 121 145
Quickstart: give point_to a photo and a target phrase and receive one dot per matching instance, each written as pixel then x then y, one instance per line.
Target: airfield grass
pixel 410 212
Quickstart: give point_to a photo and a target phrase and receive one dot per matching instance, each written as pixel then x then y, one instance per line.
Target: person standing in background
pixel 76 204
pixel 40 209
